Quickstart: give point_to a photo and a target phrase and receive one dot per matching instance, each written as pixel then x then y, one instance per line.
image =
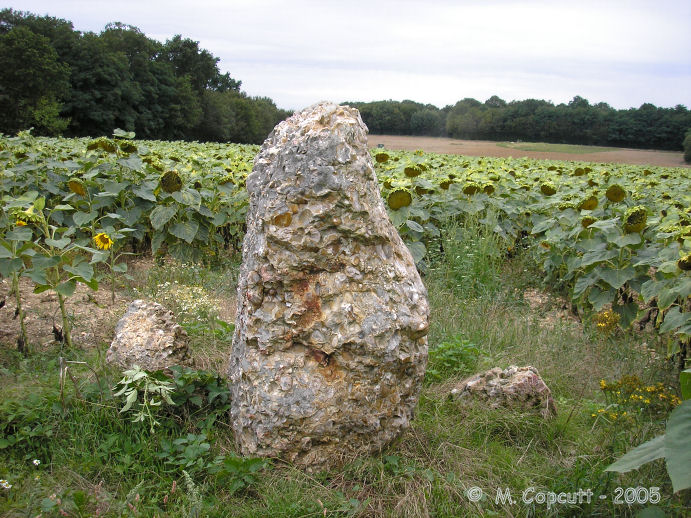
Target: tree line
pixel 532 120
pixel 62 81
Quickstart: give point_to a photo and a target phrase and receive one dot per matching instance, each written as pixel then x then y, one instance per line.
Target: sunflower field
pixel 616 237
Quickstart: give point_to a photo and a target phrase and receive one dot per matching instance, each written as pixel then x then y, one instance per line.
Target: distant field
pixel 555 148
pixel 532 150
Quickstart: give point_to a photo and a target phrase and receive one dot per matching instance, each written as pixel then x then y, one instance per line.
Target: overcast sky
pixel 298 52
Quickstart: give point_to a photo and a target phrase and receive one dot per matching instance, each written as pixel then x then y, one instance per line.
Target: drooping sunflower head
pixel 615 193
pixel 635 219
pixel 102 143
pixel 399 198
pixel 412 171
pixel 381 158
pixel 488 188
pixel 103 241
pixel 685 263
pixel 588 203
pixel 76 186
pixel 25 216
pixel 587 221
pixel 471 188
pixel 548 189
pixel 171 181
pixel 128 146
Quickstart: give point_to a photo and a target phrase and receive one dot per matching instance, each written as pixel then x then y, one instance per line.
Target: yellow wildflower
pixel 21 223
pixel 103 241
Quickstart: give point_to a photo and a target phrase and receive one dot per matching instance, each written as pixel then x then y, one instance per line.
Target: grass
pixel 555 148
pixel 96 462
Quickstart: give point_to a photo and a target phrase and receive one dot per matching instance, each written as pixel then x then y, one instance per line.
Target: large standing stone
pixel 148 336
pixel 330 345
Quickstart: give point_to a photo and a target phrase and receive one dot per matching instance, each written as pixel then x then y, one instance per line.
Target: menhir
pixel 330 345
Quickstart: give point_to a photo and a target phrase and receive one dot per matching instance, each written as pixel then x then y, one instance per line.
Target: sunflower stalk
pixel 23 342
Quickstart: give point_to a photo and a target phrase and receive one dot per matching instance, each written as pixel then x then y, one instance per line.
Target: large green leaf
pixel 84 270
pixel 82 218
pixel 417 250
pixel 162 215
pixel 115 187
pixel 414 226
pixel 146 190
pixel 583 283
pixel 627 313
pixel 10 266
pixel 19 234
pixel 66 289
pixel 188 197
pixel 185 230
pixel 678 446
pixel 648 451
pixel 616 278
pixel 674 319
pixel 597 256
pixel 626 240
pixel 59 243
pixel 600 298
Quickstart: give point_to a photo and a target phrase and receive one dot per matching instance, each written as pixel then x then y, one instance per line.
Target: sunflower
pixel 685 263
pixel 171 181
pixel 399 198
pixel 587 221
pixel 76 186
pixel 21 223
pixel 615 193
pixel 548 188
pixel 635 219
pixel 103 241
pixel 471 188
pixel 588 204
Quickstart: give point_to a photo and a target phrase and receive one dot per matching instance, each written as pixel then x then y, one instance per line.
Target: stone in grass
pixel 148 336
pixel 519 388
pixel 330 346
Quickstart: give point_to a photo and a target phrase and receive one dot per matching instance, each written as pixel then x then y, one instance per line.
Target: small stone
pixel 520 388
pixel 330 346
pixel 148 336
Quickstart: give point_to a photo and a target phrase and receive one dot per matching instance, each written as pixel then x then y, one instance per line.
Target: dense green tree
pixel 32 80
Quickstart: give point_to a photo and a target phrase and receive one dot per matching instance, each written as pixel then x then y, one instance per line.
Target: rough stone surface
pixel 148 336
pixel 520 388
pixel 330 345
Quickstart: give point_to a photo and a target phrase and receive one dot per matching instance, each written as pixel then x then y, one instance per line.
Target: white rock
pixel 330 345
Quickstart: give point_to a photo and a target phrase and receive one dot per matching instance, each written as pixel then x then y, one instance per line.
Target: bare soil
pixel 488 148
pixel 93 313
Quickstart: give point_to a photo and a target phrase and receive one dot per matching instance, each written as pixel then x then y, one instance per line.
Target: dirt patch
pixel 488 148
pixel 94 316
